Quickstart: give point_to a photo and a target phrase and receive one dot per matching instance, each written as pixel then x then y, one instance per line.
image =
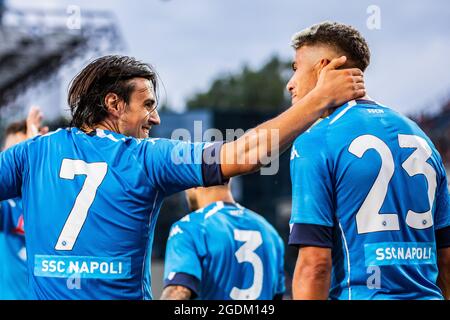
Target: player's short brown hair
pixel 345 39
pixel 16 127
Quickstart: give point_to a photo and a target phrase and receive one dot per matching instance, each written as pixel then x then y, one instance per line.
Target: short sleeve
pixel 312 192
pixel 12 166
pixel 183 256
pixel 177 165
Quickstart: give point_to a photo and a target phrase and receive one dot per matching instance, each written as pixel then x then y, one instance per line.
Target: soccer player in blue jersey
pixel 13 266
pixel 370 205
pixel 222 251
pixel 92 192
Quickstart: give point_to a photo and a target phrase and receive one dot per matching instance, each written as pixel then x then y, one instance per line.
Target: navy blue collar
pixel 364 101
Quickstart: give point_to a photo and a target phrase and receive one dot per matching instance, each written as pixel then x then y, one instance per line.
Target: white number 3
pixel 246 253
pixel 368 218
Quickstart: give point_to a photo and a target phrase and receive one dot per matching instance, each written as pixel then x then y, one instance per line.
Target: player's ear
pixel 321 64
pixel 114 104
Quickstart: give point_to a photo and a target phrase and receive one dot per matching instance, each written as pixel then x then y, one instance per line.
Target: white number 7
pixel 95 173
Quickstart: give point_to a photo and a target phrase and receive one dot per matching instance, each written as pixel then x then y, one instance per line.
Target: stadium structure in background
pixel 36 43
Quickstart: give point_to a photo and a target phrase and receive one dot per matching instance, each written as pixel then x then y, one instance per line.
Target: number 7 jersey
pixel 368 183
pixel 90 207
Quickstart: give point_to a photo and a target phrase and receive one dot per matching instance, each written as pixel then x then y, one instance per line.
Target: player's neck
pixel 209 199
pixel 330 111
pixel 104 125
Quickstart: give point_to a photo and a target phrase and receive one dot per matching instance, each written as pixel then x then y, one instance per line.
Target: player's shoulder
pixel 60 133
pixel 196 217
pixel 354 113
pixel 359 113
pixel 178 149
pixel 165 143
pixel 209 214
pixel 191 222
pixel 311 143
pixel 260 222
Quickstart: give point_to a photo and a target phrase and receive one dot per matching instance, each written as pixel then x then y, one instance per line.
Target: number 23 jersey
pixel 368 183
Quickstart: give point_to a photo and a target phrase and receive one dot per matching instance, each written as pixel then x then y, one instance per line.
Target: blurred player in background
pixel 13 266
pixel 222 251
pixel 92 193
pixel 370 208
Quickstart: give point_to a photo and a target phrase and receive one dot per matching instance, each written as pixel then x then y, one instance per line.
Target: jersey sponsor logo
pixel 84 267
pixel 399 253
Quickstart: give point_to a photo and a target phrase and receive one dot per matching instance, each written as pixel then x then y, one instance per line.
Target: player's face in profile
pixel 13 139
pixel 140 114
pixel 305 74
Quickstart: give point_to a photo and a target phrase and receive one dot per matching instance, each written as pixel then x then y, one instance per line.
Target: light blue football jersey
pixel 376 179
pixel 227 252
pixel 13 256
pixel 90 207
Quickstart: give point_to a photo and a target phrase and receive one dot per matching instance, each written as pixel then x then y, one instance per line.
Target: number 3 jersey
pixel 224 252
pixel 90 207
pixel 368 183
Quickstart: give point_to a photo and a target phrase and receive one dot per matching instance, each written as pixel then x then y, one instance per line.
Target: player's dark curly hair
pixel 108 74
pixel 16 127
pixel 345 39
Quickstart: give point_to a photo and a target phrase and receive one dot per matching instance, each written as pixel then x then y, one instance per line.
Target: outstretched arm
pixel 176 293
pixel 251 151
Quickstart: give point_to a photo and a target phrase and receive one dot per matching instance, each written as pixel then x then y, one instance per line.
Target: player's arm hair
pixel 256 147
pixel 176 293
pixel 444 272
pixel 312 274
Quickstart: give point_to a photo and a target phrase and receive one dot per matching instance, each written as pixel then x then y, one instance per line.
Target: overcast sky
pixel 190 42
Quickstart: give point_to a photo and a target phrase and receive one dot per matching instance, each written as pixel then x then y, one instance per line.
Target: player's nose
pixel 154 118
pixel 290 86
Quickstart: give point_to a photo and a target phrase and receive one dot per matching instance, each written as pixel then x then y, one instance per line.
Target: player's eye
pixel 150 105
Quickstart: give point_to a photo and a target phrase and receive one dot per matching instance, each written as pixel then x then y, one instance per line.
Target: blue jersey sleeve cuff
pixel 185 280
pixel 211 169
pixel 311 235
pixel 443 238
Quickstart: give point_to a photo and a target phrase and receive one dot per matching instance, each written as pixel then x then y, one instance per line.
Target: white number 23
pixel 368 218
